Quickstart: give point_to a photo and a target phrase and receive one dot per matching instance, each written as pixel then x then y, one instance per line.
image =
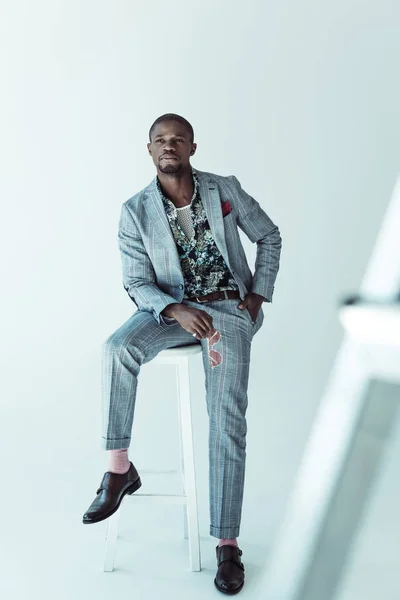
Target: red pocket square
pixel 226 208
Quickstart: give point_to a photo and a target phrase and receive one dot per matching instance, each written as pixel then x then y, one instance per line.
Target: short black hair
pixel 173 117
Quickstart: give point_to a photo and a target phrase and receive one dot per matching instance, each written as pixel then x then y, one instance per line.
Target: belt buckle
pixel 200 301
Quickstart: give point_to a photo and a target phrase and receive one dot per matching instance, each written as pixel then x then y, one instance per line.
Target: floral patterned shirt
pixel 204 268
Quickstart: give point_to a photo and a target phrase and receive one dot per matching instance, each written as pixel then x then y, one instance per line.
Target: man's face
pixel 171 147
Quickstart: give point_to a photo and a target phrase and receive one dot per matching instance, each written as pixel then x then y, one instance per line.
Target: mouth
pixel 169 158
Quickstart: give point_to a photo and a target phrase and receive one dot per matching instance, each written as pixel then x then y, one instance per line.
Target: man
pixel 185 269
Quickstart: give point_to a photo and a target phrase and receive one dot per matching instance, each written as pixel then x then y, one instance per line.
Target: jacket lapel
pixel 212 205
pixel 157 216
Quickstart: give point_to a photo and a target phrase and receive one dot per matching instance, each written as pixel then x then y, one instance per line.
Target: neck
pixel 177 186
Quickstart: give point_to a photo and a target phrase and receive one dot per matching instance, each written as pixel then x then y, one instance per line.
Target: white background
pixel 298 99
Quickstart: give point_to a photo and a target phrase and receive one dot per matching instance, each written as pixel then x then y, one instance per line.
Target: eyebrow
pixel 176 135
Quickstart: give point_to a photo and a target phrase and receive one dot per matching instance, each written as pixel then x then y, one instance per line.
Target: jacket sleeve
pixel 137 269
pixel 260 229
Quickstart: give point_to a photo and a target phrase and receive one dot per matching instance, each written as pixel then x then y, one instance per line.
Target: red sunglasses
pixel 214 356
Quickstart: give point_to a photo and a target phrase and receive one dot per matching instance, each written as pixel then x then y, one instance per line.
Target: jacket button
pixel 181 287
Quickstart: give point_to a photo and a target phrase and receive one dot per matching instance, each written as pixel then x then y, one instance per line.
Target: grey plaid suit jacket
pixel 152 273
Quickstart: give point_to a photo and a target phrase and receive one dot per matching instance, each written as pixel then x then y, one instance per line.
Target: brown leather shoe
pixel 113 488
pixel 230 574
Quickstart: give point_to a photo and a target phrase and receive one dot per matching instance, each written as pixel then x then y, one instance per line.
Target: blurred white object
pixel 372 324
pixel 346 443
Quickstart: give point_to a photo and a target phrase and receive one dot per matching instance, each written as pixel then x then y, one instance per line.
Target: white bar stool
pixel 180 357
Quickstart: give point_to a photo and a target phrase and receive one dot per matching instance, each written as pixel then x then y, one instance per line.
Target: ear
pixel 148 148
pixel 193 150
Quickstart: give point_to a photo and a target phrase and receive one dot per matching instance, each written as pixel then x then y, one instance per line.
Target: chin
pixel 172 168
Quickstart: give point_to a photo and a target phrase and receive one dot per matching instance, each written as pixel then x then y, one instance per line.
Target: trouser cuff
pixel 107 444
pixel 226 533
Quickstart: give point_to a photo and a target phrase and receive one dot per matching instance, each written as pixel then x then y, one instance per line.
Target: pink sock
pixel 119 461
pixel 226 542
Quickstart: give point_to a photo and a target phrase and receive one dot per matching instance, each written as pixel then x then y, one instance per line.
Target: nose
pixel 169 146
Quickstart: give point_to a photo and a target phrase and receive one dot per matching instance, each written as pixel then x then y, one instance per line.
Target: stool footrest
pixel 158 471
pixel 158 498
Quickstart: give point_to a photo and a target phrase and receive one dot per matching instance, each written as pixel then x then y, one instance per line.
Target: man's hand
pixel 195 321
pixel 253 304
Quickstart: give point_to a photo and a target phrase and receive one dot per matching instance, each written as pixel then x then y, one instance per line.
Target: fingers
pixel 207 321
pixel 199 332
pixel 200 329
pixel 244 303
pixel 203 322
pixel 202 325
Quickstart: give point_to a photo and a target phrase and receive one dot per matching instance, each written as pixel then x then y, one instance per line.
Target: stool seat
pixel 179 351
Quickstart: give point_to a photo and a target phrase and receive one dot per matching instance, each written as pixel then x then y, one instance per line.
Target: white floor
pixel 46 552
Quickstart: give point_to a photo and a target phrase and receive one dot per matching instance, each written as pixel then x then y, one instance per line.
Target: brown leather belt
pixel 224 295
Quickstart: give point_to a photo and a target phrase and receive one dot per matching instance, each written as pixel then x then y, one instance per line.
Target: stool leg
pixel 185 522
pixel 185 514
pixel 188 461
pixel 111 541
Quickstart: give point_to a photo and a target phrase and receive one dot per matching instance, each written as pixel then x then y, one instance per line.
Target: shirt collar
pixel 168 201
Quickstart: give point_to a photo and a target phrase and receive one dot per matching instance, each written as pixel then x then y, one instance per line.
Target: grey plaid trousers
pixel 137 342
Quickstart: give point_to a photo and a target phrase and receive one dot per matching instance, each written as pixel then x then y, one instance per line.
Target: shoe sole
pixel 230 592
pixel 130 490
